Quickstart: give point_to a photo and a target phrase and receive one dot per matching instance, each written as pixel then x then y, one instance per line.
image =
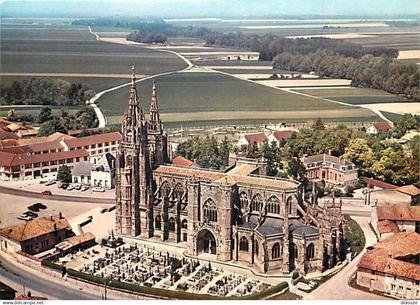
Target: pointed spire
pixel 155 122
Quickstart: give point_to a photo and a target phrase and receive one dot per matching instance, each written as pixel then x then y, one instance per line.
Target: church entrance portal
pixel 206 243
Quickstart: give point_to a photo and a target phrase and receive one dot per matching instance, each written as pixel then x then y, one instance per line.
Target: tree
pixel 64 174
pixel 44 115
pixel 296 169
pixel 50 127
pixel 359 152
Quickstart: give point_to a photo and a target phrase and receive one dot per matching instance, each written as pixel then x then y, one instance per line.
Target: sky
pixel 209 8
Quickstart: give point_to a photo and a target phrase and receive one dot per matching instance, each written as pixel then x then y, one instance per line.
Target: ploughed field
pixel 63 50
pixel 199 98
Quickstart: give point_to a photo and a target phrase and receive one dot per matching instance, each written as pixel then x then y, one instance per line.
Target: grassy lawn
pixel 354 96
pixel 354 236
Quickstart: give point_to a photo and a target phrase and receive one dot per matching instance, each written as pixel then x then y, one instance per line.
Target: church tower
pixel 133 172
pixel 156 134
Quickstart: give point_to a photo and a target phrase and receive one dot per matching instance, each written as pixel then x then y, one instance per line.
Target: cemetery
pixel 145 265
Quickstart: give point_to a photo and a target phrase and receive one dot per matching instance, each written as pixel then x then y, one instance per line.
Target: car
pixel 50 182
pixel 46 193
pixel 63 186
pixel 71 187
pixel 84 188
pixel 30 214
pixel 98 189
pixel 33 208
pixel 24 217
pixel 40 206
pixel 43 181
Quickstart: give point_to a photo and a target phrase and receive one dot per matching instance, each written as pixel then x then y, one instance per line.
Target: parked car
pixel 50 182
pixel 71 187
pixel 84 188
pixel 98 189
pixel 40 205
pixel 31 214
pixel 78 187
pixel 24 217
pixel 46 193
pixel 43 181
pixel 33 208
pixel 63 185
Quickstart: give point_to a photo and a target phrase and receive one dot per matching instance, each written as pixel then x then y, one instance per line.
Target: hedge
pixel 172 294
pixel 51 265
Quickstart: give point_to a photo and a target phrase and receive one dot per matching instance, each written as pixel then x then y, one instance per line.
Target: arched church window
pixel 257 203
pixel 184 224
pixel 165 190
pixel 243 200
pixel 178 192
pixel 243 244
pixel 210 211
pixel 273 205
pixel 172 224
pixel 275 251
pixel 158 222
pixel 310 251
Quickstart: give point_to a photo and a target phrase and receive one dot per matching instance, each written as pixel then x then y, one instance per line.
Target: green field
pixel 206 97
pixel 35 110
pixel 354 96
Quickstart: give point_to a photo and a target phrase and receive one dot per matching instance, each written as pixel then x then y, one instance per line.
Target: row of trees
pixel 40 91
pixel 82 119
pixel 368 71
pixel 374 155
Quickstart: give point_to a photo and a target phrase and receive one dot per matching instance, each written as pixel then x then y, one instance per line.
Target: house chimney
pixel 60 215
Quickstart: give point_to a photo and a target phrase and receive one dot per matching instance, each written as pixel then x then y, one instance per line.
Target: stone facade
pixel 236 215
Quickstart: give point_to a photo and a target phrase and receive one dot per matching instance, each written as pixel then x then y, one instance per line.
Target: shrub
pixel 51 265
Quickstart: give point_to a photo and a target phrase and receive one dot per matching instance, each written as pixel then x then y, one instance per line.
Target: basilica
pixel 236 215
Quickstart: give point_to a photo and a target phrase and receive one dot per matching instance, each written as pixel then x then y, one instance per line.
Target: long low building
pixel 392 266
pixel 31 158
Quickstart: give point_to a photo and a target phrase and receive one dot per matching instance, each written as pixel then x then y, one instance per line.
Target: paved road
pixel 17 276
pixel 23 193
pixel 337 288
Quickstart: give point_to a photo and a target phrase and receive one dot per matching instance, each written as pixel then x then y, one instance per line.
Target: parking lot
pixel 35 185
pixel 144 264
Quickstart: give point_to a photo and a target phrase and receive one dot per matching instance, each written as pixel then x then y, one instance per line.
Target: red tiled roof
pixel 93 139
pixel 387 226
pixel 398 212
pixel 283 134
pixel 34 228
pixel 256 137
pixel 385 256
pixel 181 161
pixel 78 131
pixel 7 135
pixel 189 172
pixel 378 183
pixel 10 159
pixel 382 126
pixel 411 190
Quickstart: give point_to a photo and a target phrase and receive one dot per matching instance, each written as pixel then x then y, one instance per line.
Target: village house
pixel 247 139
pixel 34 157
pixel 389 219
pixel 278 136
pixel 392 266
pixel 35 236
pixel 14 130
pixel 386 193
pixel 100 174
pixel 333 170
pixel 377 127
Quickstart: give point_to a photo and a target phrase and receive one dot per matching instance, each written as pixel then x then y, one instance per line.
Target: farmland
pixel 203 97
pixel 43 48
pixel 354 96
